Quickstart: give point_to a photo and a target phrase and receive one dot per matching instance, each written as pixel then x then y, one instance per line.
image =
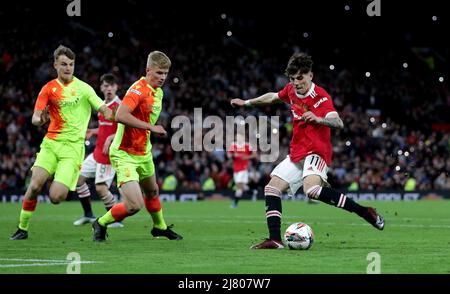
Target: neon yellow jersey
pixel 145 103
pixel 69 107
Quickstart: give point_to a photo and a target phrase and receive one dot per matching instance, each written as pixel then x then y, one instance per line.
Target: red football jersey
pixel 238 151
pixel 105 129
pixel 309 138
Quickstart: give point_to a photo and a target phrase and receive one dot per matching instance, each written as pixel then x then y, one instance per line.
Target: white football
pixel 299 236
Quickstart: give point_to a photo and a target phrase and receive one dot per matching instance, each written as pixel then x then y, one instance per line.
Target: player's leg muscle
pixel 311 185
pixel 58 192
pixel 278 183
pixel 38 178
pixel 132 196
pixel 150 187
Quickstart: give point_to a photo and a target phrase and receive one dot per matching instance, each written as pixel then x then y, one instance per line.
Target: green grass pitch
pixel 217 238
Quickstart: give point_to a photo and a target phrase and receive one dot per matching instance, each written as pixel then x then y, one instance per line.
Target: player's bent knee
pixel 55 199
pixel 312 191
pixel 35 187
pixel 134 208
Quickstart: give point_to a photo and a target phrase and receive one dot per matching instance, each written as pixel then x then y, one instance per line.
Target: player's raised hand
pixel 158 130
pixel 237 102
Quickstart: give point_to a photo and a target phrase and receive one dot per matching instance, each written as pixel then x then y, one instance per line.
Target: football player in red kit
pixel 97 164
pixel 310 152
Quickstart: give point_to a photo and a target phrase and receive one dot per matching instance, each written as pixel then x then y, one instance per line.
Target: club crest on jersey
pixel 297 110
pixel 156 107
pixel 320 102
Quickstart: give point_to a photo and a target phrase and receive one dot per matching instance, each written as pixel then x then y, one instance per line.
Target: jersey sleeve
pixel 327 106
pixel 132 98
pixel 42 99
pixel 284 94
pixel 95 101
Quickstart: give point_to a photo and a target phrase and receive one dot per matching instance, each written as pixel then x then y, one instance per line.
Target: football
pixel 299 236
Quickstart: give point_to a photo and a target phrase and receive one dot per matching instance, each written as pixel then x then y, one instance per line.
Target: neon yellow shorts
pixel 131 167
pixel 61 159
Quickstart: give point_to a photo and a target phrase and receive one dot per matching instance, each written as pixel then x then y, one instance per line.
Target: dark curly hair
pixel 108 78
pixel 299 63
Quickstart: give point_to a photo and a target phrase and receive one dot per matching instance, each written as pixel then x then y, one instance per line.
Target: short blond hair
pixel 63 50
pixel 158 59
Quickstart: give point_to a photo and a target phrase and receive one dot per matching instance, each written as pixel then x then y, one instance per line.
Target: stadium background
pixel 396 120
pixel 209 67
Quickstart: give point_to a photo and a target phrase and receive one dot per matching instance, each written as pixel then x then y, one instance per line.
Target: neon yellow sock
pixel 158 220
pixel 106 219
pixel 24 219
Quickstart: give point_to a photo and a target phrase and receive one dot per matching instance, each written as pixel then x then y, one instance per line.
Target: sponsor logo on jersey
pixel 72 102
pixel 136 91
pixel 320 102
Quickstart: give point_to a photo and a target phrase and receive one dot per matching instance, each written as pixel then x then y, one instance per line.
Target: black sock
pixel 235 200
pixel 333 197
pixel 273 216
pixel 86 204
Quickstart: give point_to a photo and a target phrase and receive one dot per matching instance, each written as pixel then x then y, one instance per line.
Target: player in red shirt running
pixel 310 151
pixel 241 154
pixel 97 164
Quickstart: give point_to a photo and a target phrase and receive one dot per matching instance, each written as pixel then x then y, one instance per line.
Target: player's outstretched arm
pixel 124 116
pixel 333 121
pixel 265 99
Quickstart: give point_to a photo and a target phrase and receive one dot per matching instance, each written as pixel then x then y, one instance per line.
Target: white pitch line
pixel 42 262
pixel 46 264
pixel 38 260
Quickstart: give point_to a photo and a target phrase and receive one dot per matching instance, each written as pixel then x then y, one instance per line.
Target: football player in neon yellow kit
pixel 131 154
pixel 66 102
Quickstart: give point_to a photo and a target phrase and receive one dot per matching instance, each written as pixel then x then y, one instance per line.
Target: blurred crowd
pixel 396 129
